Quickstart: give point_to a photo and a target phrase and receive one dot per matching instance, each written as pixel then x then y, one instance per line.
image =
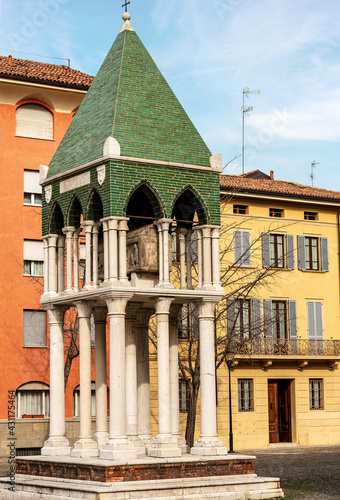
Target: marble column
pixel 88 226
pixel 57 444
pixel 46 274
pixel 122 230
pixel 131 378
pixel 118 446
pixel 207 266
pixel 181 240
pixel 95 231
pixel 76 259
pixel 143 376
pixel 174 379
pixel 199 258
pixel 188 258
pixel 215 256
pixel 105 250
pixel 85 447
pixel 208 442
pixel 101 436
pixel 68 231
pixel 61 265
pixel 164 444
pixel 52 263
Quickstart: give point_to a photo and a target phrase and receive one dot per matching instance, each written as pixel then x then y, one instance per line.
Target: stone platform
pixel 185 478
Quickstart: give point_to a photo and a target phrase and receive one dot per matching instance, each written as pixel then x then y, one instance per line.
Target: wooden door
pixel 273 407
pixel 285 433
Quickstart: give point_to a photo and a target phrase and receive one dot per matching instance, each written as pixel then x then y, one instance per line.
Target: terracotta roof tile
pixel 279 188
pixel 22 69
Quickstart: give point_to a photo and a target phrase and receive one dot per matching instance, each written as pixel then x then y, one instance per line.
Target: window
pixel 310 215
pixel 33 258
pixel 315 326
pixel 275 212
pixel 242 326
pixel 34 328
pixel 244 318
pixel 278 250
pixel 76 400
pixel 316 394
pixel 33 400
pixel 32 189
pixel 33 120
pixel 313 253
pixel 183 396
pixel 242 248
pixel 245 395
pixel 240 209
pixel 188 322
pixel 279 314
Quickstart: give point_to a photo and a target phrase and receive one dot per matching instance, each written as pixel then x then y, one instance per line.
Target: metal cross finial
pixel 125 5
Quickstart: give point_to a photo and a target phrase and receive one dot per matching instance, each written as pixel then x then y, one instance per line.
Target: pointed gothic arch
pixel 94 209
pixel 56 219
pixel 186 203
pixel 143 205
pixel 75 212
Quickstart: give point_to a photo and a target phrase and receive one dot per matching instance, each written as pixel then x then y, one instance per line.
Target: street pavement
pixel 306 473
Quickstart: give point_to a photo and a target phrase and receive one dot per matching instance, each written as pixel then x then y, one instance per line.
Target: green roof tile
pixel 131 101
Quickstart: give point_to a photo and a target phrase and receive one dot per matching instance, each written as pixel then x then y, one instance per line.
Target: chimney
pixel 272 175
pixel 9 60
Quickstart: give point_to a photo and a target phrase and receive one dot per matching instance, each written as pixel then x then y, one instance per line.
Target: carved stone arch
pixel 143 205
pixel 56 222
pixel 74 212
pixel 186 203
pixel 94 206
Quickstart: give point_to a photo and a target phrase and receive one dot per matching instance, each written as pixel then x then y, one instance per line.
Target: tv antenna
pixel 246 110
pixel 313 165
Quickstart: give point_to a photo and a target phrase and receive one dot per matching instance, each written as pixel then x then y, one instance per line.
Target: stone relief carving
pixel 48 193
pixel 101 174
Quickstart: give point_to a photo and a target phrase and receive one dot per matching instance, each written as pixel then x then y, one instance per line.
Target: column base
pixel 209 447
pixel 85 448
pixel 165 285
pixel 182 444
pixel 118 448
pixel 101 438
pixel 138 445
pixel 164 446
pixel 56 447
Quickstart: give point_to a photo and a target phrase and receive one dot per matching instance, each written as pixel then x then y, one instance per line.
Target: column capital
pixel 182 232
pixel 52 240
pixel 55 314
pixel 96 227
pixel 84 308
pixel 206 307
pixel 88 225
pixel 122 223
pixel 61 240
pixel 116 304
pixel 99 314
pixel 162 305
pixel 163 223
pixel 68 230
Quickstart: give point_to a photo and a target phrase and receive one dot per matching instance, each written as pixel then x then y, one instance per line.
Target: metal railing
pixel 287 347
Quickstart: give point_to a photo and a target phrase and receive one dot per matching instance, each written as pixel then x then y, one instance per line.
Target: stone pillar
pixel 106 250
pixel 76 259
pixel 208 442
pixel 181 239
pixel 95 231
pixel 118 446
pixel 164 269
pixel 69 233
pixel 164 444
pixel 174 379
pixel 188 253
pixel 88 225
pixel 52 263
pixel 131 378
pixel 46 276
pixel 160 254
pixel 122 229
pixel 85 446
pixel 143 376
pixel 199 258
pixel 113 250
pixel 57 444
pixel 61 265
pixel 206 235
pixel 215 256
pixel 101 435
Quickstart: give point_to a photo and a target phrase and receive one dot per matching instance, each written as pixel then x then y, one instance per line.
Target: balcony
pixel 299 350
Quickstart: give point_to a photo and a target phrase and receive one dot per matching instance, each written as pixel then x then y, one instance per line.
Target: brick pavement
pixel 307 473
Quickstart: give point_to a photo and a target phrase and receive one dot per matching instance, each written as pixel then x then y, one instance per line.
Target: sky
pixel 209 51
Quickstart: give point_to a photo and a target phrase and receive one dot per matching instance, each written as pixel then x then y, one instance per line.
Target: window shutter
pixel 34 328
pixel 324 254
pixel 33 120
pixel 292 319
pixel 318 321
pixel 237 247
pixel 301 252
pixel 246 248
pixel 230 315
pixel 265 250
pixel 290 258
pixel 315 326
pixel 33 250
pixel 268 319
pixel 257 318
pixel 31 182
pixel 311 320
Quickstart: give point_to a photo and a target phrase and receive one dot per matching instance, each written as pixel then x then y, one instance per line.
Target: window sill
pixel 31 205
pixel 318 271
pixel 35 138
pixel 33 275
pixel 34 346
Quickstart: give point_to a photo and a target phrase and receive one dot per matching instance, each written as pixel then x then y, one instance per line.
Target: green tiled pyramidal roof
pixel 131 101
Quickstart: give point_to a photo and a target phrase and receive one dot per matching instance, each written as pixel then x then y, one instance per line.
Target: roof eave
pixel 53 83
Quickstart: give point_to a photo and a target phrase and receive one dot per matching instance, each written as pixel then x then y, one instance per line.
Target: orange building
pixel 37 102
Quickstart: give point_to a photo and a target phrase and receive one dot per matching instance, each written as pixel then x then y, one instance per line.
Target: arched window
pixel 33 120
pixel 33 400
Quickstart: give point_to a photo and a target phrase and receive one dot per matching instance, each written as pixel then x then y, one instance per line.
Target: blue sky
pixel 209 50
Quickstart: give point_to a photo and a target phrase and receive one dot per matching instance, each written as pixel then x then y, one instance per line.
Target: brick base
pixel 182 468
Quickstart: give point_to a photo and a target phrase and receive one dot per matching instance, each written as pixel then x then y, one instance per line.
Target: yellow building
pixel 285 329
